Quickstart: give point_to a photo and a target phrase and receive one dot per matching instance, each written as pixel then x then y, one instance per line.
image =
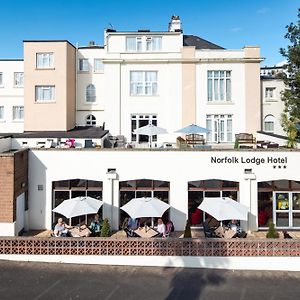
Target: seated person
pixel 61 229
pixel 133 224
pixel 234 225
pixel 96 225
pixel 161 228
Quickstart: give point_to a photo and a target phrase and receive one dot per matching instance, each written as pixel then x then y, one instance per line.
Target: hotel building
pixel 165 78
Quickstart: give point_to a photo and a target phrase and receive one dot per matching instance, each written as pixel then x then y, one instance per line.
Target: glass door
pixel 287 209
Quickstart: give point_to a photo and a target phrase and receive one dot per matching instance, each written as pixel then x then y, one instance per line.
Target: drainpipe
pixel 114 203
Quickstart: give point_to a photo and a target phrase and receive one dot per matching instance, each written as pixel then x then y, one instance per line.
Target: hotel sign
pixel 248 160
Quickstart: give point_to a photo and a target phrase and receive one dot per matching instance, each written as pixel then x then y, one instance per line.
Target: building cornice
pixel 182 61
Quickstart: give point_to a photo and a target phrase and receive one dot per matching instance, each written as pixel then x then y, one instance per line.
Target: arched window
pixel 90 120
pixel 269 121
pixel 90 93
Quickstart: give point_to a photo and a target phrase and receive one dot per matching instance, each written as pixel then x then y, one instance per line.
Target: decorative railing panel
pixel 149 247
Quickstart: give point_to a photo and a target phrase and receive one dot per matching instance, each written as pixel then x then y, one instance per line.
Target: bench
pixel 247 140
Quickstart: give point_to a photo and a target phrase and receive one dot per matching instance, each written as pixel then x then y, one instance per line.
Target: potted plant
pixel 272 232
pixel 105 230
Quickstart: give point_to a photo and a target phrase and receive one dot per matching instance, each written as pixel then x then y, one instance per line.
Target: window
pixel 143 83
pixel 138 121
pixel 133 43
pixel 219 85
pixel 1 79
pixel 1 112
pixel 143 43
pixel 270 93
pixel 18 113
pixel 269 123
pixel 44 93
pixel 98 65
pixel 153 43
pixel 44 60
pixel 220 127
pixel 19 79
pixel 90 93
pixel 84 65
pixel 90 120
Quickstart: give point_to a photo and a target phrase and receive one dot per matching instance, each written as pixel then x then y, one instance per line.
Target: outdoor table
pixel 145 232
pixel 78 232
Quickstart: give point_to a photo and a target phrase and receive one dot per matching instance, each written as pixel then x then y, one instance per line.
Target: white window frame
pixel 151 44
pixel 101 69
pixel 269 121
pixel 18 79
pixel 43 90
pixel 1 79
pixel 45 60
pixel 219 86
pixel 90 94
pixel 90 120
pixel 270 93
pixel 2 113
pixel 221 128
pixel 143 86
pixel 18 113
pixel 83 65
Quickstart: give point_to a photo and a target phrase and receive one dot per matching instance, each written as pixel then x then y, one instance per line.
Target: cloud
pixel 262 10
pixel 236 29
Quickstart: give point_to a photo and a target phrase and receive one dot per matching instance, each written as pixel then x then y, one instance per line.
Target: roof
pixel 91 47
pixel 11 59
pixel 77 132
pixel 49 41
pixel 199 43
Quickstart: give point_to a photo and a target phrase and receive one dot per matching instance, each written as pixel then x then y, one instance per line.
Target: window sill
pixel 83 72
pixel 18 86
pixel 98 72
pixel 2 121
pixel 1 86
pixel 220 103
pixel 45 101
pixel 44 69
pixel 271 100
pixel 91 103
pixel 145 96
pixel 18 121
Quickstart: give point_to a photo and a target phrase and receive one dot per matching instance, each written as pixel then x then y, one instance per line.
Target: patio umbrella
pixel 150 130
pixel 193 129
pixel 78 206
pixel 145 207
pixel 224 209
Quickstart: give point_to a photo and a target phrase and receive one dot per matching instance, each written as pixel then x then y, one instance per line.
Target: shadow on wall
pixel 36 192
pixel 191 283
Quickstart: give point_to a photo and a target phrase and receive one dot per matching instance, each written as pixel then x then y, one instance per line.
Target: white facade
pixel 248 168
pixel 272 105
pixel 11 96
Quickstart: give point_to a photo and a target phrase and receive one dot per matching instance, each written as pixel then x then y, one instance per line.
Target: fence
pixel 149 247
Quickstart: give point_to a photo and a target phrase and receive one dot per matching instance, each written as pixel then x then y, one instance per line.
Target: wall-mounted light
pixel 40 187
pixel 248 171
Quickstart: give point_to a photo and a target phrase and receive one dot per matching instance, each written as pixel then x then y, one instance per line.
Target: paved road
pixel 27 280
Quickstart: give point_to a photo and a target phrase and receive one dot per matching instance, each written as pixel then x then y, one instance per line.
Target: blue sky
pixel 228 23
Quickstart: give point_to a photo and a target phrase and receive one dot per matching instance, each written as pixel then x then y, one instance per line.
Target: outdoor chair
pixel 209 231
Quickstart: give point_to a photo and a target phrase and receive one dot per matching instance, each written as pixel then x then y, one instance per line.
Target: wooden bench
pixel 247 140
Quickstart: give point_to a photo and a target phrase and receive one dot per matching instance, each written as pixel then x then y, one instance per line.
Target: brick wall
pixel 13 182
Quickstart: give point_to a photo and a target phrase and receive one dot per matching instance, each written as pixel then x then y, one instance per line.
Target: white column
pixel 248 197
pixel 110 197
pixel 178 199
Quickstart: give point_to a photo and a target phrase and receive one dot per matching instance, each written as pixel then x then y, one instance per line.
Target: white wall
pixel 84 108
pixel 178 167
pixel 11 96
pixel 274 106
pixel 235 107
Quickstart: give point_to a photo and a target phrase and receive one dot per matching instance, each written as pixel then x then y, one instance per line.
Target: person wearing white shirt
pixel 161 228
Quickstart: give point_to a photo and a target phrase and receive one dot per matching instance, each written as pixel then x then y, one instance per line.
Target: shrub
pixel 105 230
pixel 187 230
pixel 272 232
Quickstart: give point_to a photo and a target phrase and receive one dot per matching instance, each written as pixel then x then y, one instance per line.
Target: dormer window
pixel 143 43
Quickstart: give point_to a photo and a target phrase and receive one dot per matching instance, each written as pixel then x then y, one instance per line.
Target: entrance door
pixel 286 207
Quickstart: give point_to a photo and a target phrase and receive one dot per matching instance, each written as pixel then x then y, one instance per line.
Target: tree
pixel 105 230
pixel 272 232
pixel 291 78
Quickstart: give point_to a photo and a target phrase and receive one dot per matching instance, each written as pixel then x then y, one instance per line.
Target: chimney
pixel 175 24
